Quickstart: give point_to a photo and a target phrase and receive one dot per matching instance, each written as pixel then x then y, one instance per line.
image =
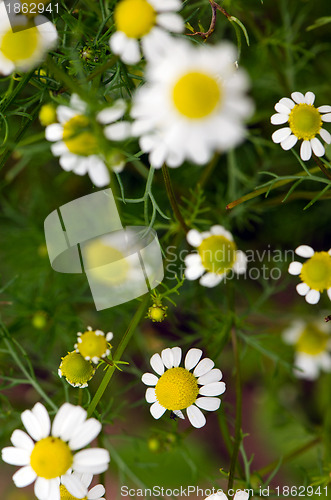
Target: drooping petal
pixel 313 297
pixel 304 251
pixel 157 410
pixel 149 379
pixel 192 358
pixel 156 364
pixel 196 417
pixel 209 404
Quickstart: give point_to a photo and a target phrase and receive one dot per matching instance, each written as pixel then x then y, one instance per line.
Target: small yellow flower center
pixel 312 341
pixel 177 389
pixel 51 457
pixel 78 138
pixel 21 45
pixel 135 18
pixel 157 313
pixel 316 271
pixel 65 495
pixel 305 121
pixel 196 95
pixel 76 369
pixel 98 254
pixel 47 114
pixel 92 345
pixel 218 254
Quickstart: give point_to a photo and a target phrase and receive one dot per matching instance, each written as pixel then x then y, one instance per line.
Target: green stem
pixel 322 167
pixel 172 199
pixel 101 69
pixel 12 95
pixel 118 354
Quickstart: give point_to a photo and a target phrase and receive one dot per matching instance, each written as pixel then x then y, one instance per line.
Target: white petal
pixel 98 172
pixel 214 389
pixel 295 268
pixel 59 148
pixel 304 251
pixel 157 410
pixel 41 488
pixel 218 230
pixel 242 495
pixel 205 366
pixel 15 456
pixel 21 440
pixel 279 119
pixel 85 433
pixel 192 358
pixel 211 279
pixel 64 113
pixel 287 102
pixel 209 404
pixel 42 416
pixel 317 147
pixel 66 420
pixel 78 104
pixel 149 379
pixel 282 109
pixel 94 458
pixel 193 272
pixel 326 136
pixel 171 22
pixel 196 417
pixel 54 132
pixel 289 142
pixel 194 238
pixel 54 490
pixel 329 293
pixel 326 118
pixel 156 364
pixel 68 162
pixel 192 259
pixel 118 131
pixel 74 485
pixel 24 476
pixel 298 97
pixel 281 134
pixel 214 375
pixel 179 414
pixel 305 150
pixel 32 425
pixel 312 297
pixel 150 395
pixel 302 289
pixel 240 264
pixel 167 358
pixel 96 492
pixel 117 42
pixel 324 109
pixel 177 354
pixel 309 97
pixel 131 53
pixel 115 112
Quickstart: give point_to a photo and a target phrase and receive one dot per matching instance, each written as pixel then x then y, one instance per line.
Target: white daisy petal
pixel 203 367
pixel 32 425
pixel 41 488
pixel 118 131
pixel 150 395
pixel 310 98
pixel 98 172
pixel 54 132
pixel 54 490
pixel 285 101
pixel 194 238
pixel 241 495
pixel 313 297
pixel 167 358
pixel 149 379
pixel 66 420
pixel 21 440
pixel 302 289
pixel 324 109
pixel 42 416
pixel 24 476
pixel 326 118
pixel 304 251
pixel 214 375
pixel 117 42
pixel 194 272
pixel 211 279
pixel 68 162
pixel 282 109
pixel 171 22
pixel 85 433
pixel 317 147
pixel 214 389
pixel 74 485
pixel 298 97
pixel 305 150
pixel 279 119
pixel 209 404
pixel 289 142
pixel 93 458
pixel 15 456
pixel 326 136
pixel 157 364
pixel 177 355
pixel 218 230
pixel 192 358
pixel 329 293
pixel 179 414
pixel 131 53
pixel 157 410
pixel 113 113
pixel 196 417
pixel 96 492
pixel 281 134
pixel 295 268
pixel 240 264
pixel 192 259
pixel 64 113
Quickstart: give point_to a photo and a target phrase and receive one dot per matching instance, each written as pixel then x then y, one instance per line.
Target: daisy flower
pixel 178 388
pixel 93 344
pixel 145 21
pixel 76 369
pixel 77 145
pixel 315 273
pixel 305 122
pixel 216 256
pixel 312 344
pixel 193 103
pixel 48 455
pixel 95 493
pixel 239 495
pixel 24 48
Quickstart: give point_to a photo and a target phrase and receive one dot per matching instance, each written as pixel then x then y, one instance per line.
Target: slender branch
pixel 214 8
pixel 322 167
pixel 172 199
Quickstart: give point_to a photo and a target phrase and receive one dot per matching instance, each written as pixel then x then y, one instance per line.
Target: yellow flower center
pixel 21 45
pixel 92 345
pixel 157 313
pixel 305 121
pixel 177 389
pixel 47 114
pixel 196 95
pixel 51 457
pixel 98 254
pixel 312 341
pixel 65 495
pixel 78 138
pixel 135 18
pixel 76 369
pixel 316 271
pixel 218 254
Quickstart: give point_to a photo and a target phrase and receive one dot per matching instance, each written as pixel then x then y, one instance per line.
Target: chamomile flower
pixel 24 48
pixel 178 388
pixel 315 273
pixel 47 455
pixel 305 122
pixel 312 344
pixel 76 369
pixel 145 21
pixel 193 104
pixel 216 256
pixel 95 493
pixel 93 344
pixel 76 143
pixel 239 495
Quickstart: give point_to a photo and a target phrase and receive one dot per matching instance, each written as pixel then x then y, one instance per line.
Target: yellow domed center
pixel 21 45
pixel 78 138
pixel 196 95
pixel 305 121
pixel 316 271
pixel 92 345
pixel 76 369
pixel 135 18
pixel 65 495
pixel 99 254
pixel 177 389
pixel 312 341
pixel 218 254
pixel 51 457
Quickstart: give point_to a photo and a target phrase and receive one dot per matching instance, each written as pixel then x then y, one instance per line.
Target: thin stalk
pixel 118 354
pixel 322 167
pixel 172 199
